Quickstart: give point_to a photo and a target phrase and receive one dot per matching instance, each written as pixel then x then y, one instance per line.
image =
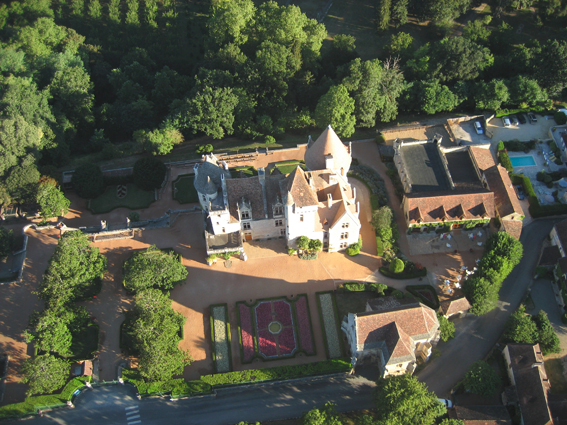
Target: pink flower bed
pixel 263 314
pixel 246 332
pixel 303 324
pixel 267 344
pixel 286 342
pixel 283 313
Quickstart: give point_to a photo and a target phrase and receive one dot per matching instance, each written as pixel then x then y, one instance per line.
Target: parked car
pixel 532 117
pixel 520 192
pixel 522 118
pixel 514 120
pixel 506 121
pixel 478 127
pixel 446 402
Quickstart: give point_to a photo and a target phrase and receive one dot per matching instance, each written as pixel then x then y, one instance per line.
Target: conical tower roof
pixel 328 143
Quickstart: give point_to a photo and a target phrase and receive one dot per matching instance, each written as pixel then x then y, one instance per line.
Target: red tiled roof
pixel 483 157
pixel 504 195
pixel 449 307
pixel 434 208
pixel 299 190
pixel 327 143
pixel 513 227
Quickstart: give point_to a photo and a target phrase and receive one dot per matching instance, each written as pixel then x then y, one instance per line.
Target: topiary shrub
pixel 88 181
pixel 354 249
pixel 291 251
pixel 560 118
pixel 134 216
pixel 149 173
pixel 269 140
pixel 380 139
pixel 397 266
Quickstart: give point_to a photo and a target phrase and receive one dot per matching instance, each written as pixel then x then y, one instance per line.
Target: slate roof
pixel 396 328
pixel 513 228
pixel 210 167
pixel 504 195
pixel 532 384
pixel 550 256
pixel 327 143
pixel 423 163
pixel 563 265
pixel 297 189
pixel 449 307
pixel 273 192
pixel 561 229
pixel 433 207
pixel 249 189
pixel 483 415
pixel 462 170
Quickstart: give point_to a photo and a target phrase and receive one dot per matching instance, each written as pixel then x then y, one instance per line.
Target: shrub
pixel 381 139
pixel 88 181
pixel 482 379
pixel 379 247
pixel 315 245
pixel 446 327
pixel 149 173
pixel 397 293
pixel 405 275
pixel 134 216
pixel 397 266
pixel 560 118
pixel 505 161
pixel 354 249
pixel 500 146
pixel 269 140
pixel 291 251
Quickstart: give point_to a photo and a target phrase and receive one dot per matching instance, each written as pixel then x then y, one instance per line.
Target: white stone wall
pixel 337 230
pixel 297 227
pixel 348 328
pixel 397 369
pixel 221 222
pixel 263 229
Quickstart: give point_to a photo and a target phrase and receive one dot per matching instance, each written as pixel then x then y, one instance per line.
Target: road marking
pixel 131 407
pixel 132 412
pixel 135 422
pixel 133 417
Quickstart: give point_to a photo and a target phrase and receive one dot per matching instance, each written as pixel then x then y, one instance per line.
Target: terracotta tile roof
pixel 327 143
pixel 449 307
pixel 561 229
pixel 433 207
pixel 504 195
pixel 374 328
pixel 327 216
pixel 483 415
pixel 532 384
pixel 483 157
pixel 298 190
pixel 513 227
pixel 249 189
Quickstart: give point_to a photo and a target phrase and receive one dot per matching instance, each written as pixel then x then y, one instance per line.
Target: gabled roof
pixel 561 229
pixel 449 307
pixel 298 190
pixel 483 157
pixel 327 143
pixel 396 327
pixel 248 188
pixel 433 207
pixel 505 197
pixel 513 228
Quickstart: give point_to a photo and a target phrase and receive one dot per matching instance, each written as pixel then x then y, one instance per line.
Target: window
pixel 278 210
pixel 204 198
pixel 246 226
pixel 301 217
pixel 345 225
pixel 245 215
pixel 279 223
pixel 282 232
pixel 223 230
pixel 344 235
pixel 343 245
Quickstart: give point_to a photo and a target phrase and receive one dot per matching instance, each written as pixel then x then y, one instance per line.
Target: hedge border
pixel 228 340
pixel 412 289
pixel 403 276
pixel 337 321
pixel 136 380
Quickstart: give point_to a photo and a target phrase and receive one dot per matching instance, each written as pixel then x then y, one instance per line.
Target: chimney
pixel 329 200
pixel 225 165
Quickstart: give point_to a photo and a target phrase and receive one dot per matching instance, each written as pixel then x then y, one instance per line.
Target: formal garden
pixel 330 322
pixel 184 191
pixel 275 328
pixel 220 335
pixel 121 196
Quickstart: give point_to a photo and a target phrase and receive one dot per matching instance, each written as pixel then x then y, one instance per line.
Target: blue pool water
pixel 522 161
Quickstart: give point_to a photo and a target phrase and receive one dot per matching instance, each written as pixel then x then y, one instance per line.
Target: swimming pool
pixel 522 161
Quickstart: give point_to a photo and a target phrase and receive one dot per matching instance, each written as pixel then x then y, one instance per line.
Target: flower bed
pixel 275 328
pixel 220 335
pixel 329 323
pixel 426 294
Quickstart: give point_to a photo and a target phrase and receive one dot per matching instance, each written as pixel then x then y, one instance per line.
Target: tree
pixel 336 108
pixel 521 328
pixel 434 97
pixel 490 95
pixel 549 66
pixel 49 333
pixel 504 245
pixel 547 338
pixel 477 30
pixel 403 400
pixel 327 415
pixel 52 202
pixel 383 12
pixel 230 20
pixel 17 138
pixel 302 242
pixel 525 91
pixel 22 181
pixel 401 44
pixel 7 242
pixel 482 294
pixel 482 379
pixel 315 245
pixel 446 327
pixel 397 265
pixel 452 422
pixel 44 374
pixel 153 268
pixel 400 12
pixel 158 141
pixel 88 181
pixel 211 111
pixel 149 173
pixel 458 59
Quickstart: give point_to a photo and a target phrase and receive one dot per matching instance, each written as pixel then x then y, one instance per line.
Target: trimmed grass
pixel 135 199
pixel 184 191
pixel 554 370
pixel 288 168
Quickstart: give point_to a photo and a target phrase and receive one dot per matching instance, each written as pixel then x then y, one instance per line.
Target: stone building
pixel 317 202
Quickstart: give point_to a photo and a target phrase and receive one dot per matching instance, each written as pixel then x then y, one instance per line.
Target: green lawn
pixel 183 189
pixel 135 199
pixel 288 168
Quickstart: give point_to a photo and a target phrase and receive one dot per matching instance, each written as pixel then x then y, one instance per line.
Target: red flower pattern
pixel 304 325
pixel 246 332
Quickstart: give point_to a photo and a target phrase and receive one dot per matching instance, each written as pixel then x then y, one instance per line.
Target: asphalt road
pixel 477 335
pixel 117 405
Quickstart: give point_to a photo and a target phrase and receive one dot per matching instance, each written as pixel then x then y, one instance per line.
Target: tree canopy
pixel 482 379
pixel 44 374
pixel 52 202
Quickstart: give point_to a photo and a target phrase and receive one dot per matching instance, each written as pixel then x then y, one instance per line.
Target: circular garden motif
pixel 275 327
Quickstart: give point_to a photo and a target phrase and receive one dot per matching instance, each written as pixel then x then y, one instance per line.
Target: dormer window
pixel 245 215
pixel 278 210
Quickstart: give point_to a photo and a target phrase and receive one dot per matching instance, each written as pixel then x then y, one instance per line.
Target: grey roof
pixel 210 167
pixel 462 169
pixel 424 167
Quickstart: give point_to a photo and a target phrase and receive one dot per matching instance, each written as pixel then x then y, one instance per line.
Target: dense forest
pixel 128 76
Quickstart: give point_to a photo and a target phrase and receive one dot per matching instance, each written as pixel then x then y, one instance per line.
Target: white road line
pixel 133 417
pixel 131 407
pixel 135 422
pixel 132 412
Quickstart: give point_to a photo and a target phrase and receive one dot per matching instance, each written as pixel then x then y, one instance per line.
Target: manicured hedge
pixel 175 387
pixel 278 373
pixel 517 146
pixel 537 210
pixel 357 287
pixel 505 161
pixel 413 289
pixel 404 275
